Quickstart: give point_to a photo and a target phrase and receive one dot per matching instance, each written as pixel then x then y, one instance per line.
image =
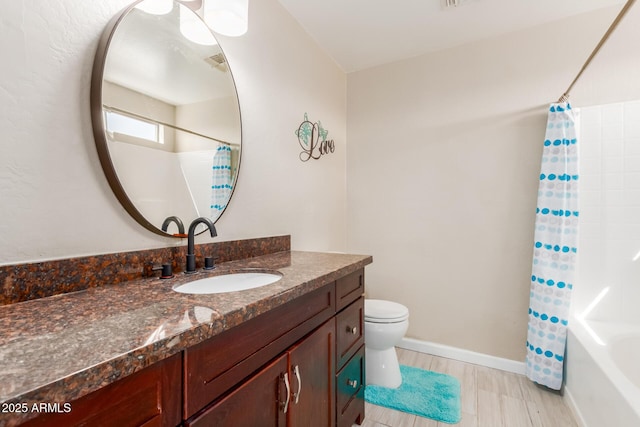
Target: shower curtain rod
pixel 139 116
pixel 612 27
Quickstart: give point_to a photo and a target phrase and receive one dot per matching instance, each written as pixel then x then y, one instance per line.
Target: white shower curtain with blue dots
pixel 221 185
pixel 555 249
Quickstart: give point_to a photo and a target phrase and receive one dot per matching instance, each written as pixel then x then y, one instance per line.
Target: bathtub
pixel 602 381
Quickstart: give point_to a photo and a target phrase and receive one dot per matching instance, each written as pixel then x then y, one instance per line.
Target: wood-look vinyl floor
pixel 490 398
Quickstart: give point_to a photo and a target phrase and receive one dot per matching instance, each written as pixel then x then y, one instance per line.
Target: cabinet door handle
pixel 285 405
pixel 352 383
pixel 352 329
pixel 296 372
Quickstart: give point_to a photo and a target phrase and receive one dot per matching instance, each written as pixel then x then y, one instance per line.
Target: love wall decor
pixel 312 137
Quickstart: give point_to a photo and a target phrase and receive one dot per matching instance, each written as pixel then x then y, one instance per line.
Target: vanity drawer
pixel 149 397
pixel 349 288
pixel 350 391
pixel 214 366
pixel 349 331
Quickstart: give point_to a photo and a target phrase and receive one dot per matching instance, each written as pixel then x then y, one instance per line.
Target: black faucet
pixel 169 220
pixel 191 256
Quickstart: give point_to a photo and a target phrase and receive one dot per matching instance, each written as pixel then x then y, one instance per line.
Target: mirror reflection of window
pixel 124 127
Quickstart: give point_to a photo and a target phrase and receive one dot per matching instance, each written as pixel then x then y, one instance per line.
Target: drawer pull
pixel 352 330
pixel 285 406
pixel 352 383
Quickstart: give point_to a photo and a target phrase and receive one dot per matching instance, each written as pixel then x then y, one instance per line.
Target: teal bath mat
pixel 424 393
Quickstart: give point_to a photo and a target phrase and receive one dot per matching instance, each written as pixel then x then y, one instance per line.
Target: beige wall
pixel 444 154
pixel 54 199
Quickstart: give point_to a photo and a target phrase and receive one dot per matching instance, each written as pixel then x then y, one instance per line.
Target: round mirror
pixel 166 117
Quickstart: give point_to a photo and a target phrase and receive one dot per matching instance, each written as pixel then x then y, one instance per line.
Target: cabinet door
pixel 312 373
pixel 261 401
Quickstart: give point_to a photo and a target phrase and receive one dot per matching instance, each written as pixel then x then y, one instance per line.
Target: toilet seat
pixel 381 311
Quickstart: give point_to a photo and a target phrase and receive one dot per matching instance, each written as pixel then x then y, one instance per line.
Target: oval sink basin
pixel 228 283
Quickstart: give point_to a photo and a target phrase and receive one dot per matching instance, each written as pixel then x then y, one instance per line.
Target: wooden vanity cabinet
pixel 299 364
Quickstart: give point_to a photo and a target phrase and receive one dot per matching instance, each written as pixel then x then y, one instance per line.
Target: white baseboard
pixel 463 355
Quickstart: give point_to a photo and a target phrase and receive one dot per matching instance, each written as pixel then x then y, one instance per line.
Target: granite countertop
pixel 59 348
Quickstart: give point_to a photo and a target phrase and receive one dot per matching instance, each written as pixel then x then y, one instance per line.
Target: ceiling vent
pixel 451 4
pixel 217 61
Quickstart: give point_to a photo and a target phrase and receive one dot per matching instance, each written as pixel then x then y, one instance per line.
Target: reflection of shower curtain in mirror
pixel 555 248
pixel 221 182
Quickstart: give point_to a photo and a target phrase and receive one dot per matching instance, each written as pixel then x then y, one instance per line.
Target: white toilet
pixel 385 323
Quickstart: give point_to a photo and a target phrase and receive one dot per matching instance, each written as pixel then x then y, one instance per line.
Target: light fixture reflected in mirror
pixel 227 17
pixel 155 7
pixel 192 28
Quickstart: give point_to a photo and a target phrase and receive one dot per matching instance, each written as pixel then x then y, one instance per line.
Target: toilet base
pixel 382 367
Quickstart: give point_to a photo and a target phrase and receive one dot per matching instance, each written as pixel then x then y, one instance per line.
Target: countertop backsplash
pixel 24 282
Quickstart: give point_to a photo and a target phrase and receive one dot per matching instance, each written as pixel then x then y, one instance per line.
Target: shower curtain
pixel 221 185
pixel 555 249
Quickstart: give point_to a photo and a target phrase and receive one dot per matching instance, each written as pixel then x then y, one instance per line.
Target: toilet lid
pixel 381 311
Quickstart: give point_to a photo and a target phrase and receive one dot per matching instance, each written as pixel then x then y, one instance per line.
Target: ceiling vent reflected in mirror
pixel 452 4
pixel 218 61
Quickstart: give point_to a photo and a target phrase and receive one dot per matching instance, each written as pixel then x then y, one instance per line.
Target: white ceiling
pixel 359 34
pixel 148 54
